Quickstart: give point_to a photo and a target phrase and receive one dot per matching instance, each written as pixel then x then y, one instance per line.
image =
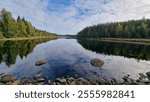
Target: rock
pixel 40 79
pixel 73 83
pixel 17 82
pixel 9 83
pixel 61 81
pixel 38 75
pixel 142 76
pixel 49 82
pixel 69 80
pixel 79 83
pixel 97 62
pixel 148 74
pixel 40 83
pixel 2 83
pixel 126 78
pixel 7 78
pixel 114 82
pixel 147 82
pixel 40 62
pixel 101 81
pixel 133 82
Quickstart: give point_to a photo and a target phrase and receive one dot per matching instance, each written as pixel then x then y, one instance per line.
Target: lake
pixel 71 58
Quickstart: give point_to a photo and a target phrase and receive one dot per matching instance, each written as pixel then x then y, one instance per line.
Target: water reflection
pixel 9 50
pixel 118 49
pixel 66 57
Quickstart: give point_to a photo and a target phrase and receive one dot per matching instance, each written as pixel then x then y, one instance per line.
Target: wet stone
pixel 97 62
pixel 40 62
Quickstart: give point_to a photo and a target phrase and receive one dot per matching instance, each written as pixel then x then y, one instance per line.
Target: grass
pixel 27 38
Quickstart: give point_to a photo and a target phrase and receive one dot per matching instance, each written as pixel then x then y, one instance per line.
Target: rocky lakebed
pixel 39 79
pixel 7 79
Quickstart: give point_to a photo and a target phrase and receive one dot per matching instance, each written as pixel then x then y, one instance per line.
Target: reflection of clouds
pixel 68 58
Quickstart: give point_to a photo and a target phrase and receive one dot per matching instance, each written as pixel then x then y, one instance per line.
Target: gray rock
pixel 49 82
pixel 148 74
pixel 82 79
pixel 40 83
pixel 97 62
pixel 40 79
pixel 61 81
pixel 79 82
pixel 17 82
pixel 7 78
pixel 126 78
pixel 9 83
pixel 38 75
pixel 40 62
pixel 2 83
pixel 142 76
pixel 73 83
pixel 101 81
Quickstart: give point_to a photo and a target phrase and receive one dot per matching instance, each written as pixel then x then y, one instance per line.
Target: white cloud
pixel 69 19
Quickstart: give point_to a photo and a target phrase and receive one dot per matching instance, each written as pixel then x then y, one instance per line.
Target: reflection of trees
pixel 119 49
pixel 9 50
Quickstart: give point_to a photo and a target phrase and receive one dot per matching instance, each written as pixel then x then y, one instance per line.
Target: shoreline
pixel 127 40
pixel 39 79
pixel 27 38
pixel 123 40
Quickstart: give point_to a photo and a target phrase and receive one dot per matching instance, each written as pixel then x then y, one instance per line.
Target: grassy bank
pixel 27 38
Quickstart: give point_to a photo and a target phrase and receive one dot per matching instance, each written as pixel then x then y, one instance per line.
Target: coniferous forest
pixel 11 28
pixel 128 29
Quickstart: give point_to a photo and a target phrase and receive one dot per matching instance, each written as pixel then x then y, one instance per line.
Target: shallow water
pixel 71 57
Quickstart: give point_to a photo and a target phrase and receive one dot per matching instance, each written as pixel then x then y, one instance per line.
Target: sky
pixel 71 16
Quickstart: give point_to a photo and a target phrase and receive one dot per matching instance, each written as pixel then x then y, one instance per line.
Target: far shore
pixel 27 38
pixel 124 40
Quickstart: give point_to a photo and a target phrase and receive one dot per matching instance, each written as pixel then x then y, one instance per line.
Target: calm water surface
pixel 71 57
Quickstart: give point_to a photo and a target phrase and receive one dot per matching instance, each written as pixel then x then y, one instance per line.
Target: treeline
pixel 11 28
pixel 128 29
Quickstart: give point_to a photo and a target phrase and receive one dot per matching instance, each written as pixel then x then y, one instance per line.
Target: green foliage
pixel 10 28
pixel 129 29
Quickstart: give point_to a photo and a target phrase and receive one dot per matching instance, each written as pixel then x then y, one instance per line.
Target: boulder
pixel 40 62
pixel 7 78
pixel 97 62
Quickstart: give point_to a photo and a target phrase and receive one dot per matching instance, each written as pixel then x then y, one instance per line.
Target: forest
pixel 11 28
pixel 127 29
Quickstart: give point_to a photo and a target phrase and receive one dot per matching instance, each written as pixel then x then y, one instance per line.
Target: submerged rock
pixel 40 62
pixel 7 78
pixel 97 62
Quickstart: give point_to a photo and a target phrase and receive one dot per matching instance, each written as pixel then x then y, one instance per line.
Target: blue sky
pixel 71 16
